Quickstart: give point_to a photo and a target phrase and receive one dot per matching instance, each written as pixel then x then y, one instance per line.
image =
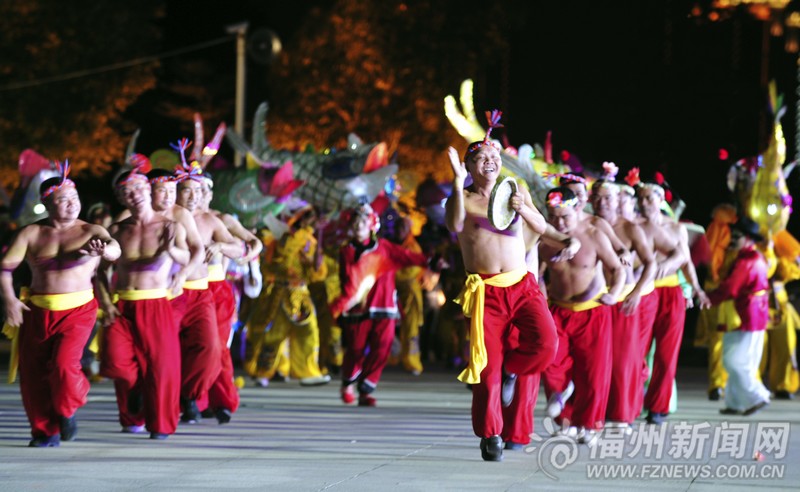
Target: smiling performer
pixel 201 359
pixel 579 303
pixel 140 349
pixel 63 253
pixel 499 290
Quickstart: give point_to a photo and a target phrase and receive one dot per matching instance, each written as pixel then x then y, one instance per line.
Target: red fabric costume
pixel 667 331
pixel 625 391
pixel 199 339
pixel 747 276
pixel 141 353
pixel 370 324
pixel 526 348
pixel 50 349
pixel 648 309
pixel 583 357
pixel 223 392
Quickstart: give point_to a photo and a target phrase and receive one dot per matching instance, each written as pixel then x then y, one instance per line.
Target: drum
pixel 501 215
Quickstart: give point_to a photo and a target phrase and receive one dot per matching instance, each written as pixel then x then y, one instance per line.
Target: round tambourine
pixel 501 215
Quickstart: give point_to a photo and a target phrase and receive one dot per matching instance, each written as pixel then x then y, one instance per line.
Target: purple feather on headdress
pixel 63 170
pixel 493 118
pixel 181 147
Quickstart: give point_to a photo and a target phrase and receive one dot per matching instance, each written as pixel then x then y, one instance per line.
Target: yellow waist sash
pixel 141 294
pixel 668 281
pixel 471 298
pixel 61 302
pixel 581 305
pixel 197 284
pixel 216 273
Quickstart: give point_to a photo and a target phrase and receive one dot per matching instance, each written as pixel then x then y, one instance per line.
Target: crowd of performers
pixel 567 299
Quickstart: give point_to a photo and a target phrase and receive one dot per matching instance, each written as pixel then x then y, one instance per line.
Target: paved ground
pixel 289 438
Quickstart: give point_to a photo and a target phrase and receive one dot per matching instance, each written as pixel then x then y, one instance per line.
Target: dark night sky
pixel 637 83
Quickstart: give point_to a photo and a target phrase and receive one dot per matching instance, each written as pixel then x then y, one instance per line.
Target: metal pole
pixel 241 31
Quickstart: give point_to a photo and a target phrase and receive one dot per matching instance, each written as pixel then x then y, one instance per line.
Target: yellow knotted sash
pixel 62 302
pixel 580 305
pixel 197 284
pixel 471 298
pixel 141 294
pixel 668 281
pixel 216 273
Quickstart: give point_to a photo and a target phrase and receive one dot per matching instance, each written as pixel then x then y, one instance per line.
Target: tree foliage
pixel 381 70
pixel 82 118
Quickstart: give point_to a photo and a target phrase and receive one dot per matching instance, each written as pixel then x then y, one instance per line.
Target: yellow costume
pixel 290 310
pixel 409 296
pixel 323 289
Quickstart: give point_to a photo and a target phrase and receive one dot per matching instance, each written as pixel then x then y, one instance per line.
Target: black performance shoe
pixel 191 415
pixel 715 394
pixel 223 415
pixel 69 428
pixel 135 402
pixel 45 442
pixel 656 418
pixel 158 436
pixel 508 389
pixel 492 448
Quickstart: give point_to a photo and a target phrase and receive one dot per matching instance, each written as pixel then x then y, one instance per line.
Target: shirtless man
pixel 625 395
pixel 580 305
pixel 200 345
pixel 55 322
pixel 140 350
pixel 663 312
pixel 499 291
pixel 222 399
pixel 577 184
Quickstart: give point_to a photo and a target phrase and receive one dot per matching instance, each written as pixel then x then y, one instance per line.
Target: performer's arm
pixel 607 255
pixel 645 254
pixel 196 249
pixel 455 213
pixel 522 203
pixel 571 245
pixel 254 245
pixel 177 248
pixel 224 242
pixel 620 248
pixel 14 256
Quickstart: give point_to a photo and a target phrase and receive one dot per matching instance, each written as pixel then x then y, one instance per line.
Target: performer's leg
pixel 667 331
pixel 200 347
pixel 35 351
pixel 67 381
pixel 304 348
pixel 624 402
pixel 590 334
pixel 380 343
pixel 356 334
pixel 518 417
pixel 118 361
pixel 160 352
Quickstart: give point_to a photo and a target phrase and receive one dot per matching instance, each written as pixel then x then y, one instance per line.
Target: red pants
pixel 223 393
pixel 375 335
pixel 200 347
pixel 583 357
pixel 518 417
pixel 667 330
pixel 648 309
pixel 625 393
pixel 523 306
pixel 141 353
pixel 50 378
